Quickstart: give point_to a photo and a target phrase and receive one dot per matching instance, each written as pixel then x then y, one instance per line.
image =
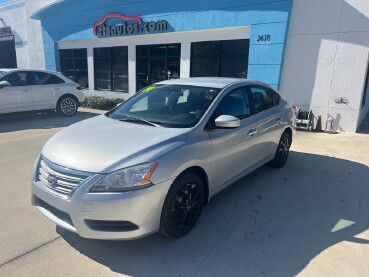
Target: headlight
pixel 126 179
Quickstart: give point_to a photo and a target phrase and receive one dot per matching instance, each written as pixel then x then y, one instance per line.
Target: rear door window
pixel 262 99
pixel 42 78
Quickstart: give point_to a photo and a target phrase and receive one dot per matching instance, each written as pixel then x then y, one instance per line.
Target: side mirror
pixel 227 122
pixel 4 84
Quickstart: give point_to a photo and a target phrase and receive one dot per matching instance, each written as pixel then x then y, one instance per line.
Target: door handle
pixel 57 89
pixel 252 132
pixel 26 90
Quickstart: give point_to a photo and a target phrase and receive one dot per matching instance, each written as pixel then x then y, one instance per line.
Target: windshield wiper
pixel 140 120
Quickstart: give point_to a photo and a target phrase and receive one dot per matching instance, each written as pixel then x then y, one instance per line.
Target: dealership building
pixel 314 52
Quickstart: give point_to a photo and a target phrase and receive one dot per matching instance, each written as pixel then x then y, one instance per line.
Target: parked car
pixel 36 90
pixel 153 162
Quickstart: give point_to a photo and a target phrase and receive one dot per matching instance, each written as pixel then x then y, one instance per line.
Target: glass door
pixel 157 70
pixel 8 56
pixel 142 73
pixel 155 63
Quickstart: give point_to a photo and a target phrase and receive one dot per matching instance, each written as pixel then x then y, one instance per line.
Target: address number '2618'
pixel 264 38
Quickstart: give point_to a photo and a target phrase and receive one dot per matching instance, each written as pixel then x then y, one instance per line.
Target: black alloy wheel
pixel 183 206
pixel 283 150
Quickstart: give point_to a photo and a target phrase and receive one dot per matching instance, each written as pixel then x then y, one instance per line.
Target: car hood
pixel 102 144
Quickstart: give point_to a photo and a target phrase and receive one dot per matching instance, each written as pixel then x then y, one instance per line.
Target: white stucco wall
pixel 327 57
pixel 35 42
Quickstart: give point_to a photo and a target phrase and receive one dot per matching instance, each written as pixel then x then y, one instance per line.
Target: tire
pixel 282 153
pixel 67 106
pixel 182 207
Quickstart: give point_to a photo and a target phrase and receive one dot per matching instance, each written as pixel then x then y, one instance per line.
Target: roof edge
pixel 43 11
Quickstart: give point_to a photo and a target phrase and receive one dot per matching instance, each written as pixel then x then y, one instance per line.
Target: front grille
pixel 61 180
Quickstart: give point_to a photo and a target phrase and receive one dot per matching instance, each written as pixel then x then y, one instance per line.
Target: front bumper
pixel 142 208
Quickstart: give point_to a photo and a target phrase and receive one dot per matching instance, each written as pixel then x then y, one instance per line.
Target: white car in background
pixel 37 90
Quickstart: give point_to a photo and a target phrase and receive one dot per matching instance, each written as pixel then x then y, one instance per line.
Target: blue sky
pixel 4 1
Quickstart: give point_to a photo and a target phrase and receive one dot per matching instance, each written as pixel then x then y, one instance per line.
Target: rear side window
pixel 17 79
pixel 262 98
pixel 42 78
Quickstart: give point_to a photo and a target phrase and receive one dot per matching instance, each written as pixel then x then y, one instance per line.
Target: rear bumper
pixel 108 216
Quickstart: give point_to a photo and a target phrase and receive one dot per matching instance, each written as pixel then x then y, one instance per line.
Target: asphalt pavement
pixel 310 218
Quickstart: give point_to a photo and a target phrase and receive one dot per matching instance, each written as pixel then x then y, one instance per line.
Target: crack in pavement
pixel 30 251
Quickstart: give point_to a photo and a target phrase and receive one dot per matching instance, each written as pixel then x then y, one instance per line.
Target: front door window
pixel 17 79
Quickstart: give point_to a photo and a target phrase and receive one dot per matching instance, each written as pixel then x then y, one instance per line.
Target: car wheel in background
pixel 183 205
pixel 67 105
pixel 283 151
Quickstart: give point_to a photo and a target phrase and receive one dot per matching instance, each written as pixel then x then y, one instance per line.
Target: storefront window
pixel 156 63
pixel 227 58
pixel 111 68
pixel 7 45
pixel 73 63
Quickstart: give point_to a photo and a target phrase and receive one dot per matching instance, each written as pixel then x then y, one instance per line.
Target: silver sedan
pixel 156 160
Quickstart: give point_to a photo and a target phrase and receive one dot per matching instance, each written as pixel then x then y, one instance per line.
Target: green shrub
pixel 101 103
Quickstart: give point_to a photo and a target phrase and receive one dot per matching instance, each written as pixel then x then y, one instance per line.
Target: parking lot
pixel 309 218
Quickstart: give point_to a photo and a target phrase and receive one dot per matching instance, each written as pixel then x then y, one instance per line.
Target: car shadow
pixel 42 120
pixel 271 223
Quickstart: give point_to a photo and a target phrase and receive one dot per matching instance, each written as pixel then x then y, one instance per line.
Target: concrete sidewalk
pixel 310 218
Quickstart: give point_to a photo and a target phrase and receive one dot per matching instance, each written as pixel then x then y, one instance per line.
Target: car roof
pixel 212 82
pixel 8 70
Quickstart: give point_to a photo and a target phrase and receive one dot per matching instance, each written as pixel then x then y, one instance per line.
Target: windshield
pixel 2 73
pixel 172 106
